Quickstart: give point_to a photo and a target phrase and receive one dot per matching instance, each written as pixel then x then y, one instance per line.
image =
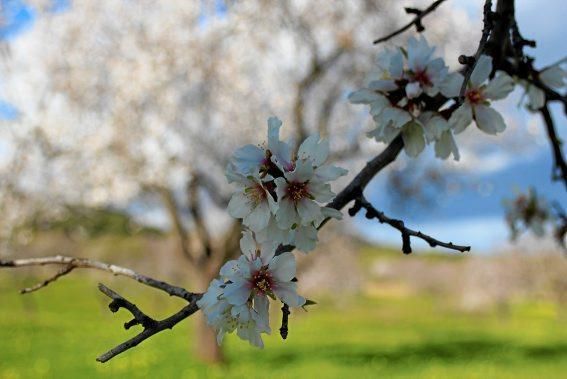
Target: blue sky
pixel 473 215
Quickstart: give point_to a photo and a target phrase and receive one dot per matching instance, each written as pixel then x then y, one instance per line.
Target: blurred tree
pixel 118 99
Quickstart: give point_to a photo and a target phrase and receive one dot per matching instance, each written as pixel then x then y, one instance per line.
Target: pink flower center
pixel 422 78
pixel 262 281
pixel 474 96
pixel 297 191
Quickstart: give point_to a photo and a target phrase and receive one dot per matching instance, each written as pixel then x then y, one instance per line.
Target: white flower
pixel 253 203
pixel 438 130
pixel 252 159
pixel 477 105
pixel 425 74
pixel 299 193
pixel 258 274
pixel 226 318
pixel 389 69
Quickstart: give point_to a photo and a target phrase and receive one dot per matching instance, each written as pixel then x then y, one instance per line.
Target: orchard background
pixel 119 119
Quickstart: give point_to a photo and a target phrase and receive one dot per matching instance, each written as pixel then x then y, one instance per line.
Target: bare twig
pixel 87 263
pixel 150 325
pixel 371 212
pixel 64 271
pixel 420 14
pixel 486 30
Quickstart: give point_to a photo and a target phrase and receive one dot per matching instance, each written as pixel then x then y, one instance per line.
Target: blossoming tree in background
pixel 284 195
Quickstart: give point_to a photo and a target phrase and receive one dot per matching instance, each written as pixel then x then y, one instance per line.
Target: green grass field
pixel 59 331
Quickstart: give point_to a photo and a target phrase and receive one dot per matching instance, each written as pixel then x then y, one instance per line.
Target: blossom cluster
pixel 408 81
pixel 281 192
pixel 280 200
pixel 238 301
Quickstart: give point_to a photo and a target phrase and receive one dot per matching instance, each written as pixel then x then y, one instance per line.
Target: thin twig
pixel 486 30
pixel 87 263
pixel 150 325
pixel 420 14
pixel 64 271
pixel 407 233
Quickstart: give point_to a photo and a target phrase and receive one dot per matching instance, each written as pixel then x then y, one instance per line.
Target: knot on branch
pixel 140 318
pixel 466 60
pixel 418 12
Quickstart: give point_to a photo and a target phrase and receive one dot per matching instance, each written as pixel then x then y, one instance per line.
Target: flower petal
pixel 308 211
pixel 237 292
pixel 282 267
pixel 364 96
pixel 305 238
pixel 499 87
pixel 451 86
pixel 248 245
pixel 287 293
pixel 414 141
pixel 488 120
pixel 446 145
pixel 315 149
pixel 259 217
pixel 461 118
pixel 239 205
pixel 383 85
pixel 413 90
pixel 553 77
pixel 481 71
pixel 286 215
pixel 327 173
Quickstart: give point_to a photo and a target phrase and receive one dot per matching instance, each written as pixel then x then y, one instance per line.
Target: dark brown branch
pixel 560 167
pixel 150 325
pixel 420 14
pixel 371 212
pixel 140 318
pixel 486 30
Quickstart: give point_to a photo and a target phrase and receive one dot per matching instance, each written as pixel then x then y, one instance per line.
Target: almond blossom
pixel 477 99
pixel 252 203
pixel 226 318
pixel 395 100
pixel 259 274
pixel 251 158
pixel 281 194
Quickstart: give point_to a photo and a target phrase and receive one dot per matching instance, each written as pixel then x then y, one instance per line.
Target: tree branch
pixel 72 263
pixel 371 212
pixel 150 325
pixel 471 63
pixel 420 14
pixel 560 167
